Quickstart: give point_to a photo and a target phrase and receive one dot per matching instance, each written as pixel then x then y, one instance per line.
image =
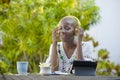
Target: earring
pixel 76 30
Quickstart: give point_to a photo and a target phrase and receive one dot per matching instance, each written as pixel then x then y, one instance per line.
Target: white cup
pixel 22 67
pixel 45 70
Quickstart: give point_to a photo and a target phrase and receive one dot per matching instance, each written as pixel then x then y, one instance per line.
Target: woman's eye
pixel 67 28
pixel 59 28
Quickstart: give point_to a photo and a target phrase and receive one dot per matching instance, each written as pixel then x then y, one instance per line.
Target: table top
pixel 55 77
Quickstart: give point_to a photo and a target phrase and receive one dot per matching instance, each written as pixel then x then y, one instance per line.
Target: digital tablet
pixel 84 68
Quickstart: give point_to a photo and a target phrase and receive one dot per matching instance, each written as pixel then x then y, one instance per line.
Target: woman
pixel 63 53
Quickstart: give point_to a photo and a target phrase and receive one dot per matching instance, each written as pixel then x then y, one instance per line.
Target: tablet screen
pixel 84 63
pixel 84 68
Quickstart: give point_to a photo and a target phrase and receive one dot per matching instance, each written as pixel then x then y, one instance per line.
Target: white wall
pixel 107 31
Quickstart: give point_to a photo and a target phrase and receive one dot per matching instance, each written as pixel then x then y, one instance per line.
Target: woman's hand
pixel 80 33
pixel 55 35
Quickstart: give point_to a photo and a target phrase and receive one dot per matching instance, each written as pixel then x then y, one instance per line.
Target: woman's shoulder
pixel 87 44
pixel 58 44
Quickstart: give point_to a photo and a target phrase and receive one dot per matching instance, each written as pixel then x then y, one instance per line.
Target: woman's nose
pixel 63 30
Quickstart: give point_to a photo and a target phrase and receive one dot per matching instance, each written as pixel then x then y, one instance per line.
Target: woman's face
pixel 66 31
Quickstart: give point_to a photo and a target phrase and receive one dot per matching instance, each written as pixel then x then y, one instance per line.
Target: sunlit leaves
pixel 103 53
pixel 105 66
pixel 87 37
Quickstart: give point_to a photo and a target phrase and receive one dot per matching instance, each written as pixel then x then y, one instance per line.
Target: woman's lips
pixel 63 36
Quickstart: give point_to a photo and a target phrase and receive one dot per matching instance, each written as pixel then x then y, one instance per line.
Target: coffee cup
pixel 45 69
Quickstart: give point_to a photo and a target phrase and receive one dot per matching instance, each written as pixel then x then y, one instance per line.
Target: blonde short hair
pixel 71 19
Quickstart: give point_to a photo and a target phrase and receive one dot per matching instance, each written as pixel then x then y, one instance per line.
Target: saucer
pixel 61 73
pixel 22 74
pixel 44 74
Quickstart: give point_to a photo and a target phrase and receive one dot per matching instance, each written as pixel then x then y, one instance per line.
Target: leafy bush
pixel 27 27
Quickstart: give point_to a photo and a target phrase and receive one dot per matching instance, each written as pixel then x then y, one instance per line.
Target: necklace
pixel 66 64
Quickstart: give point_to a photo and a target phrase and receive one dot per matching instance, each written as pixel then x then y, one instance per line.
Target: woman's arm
pixel 54 56
pixel 79 44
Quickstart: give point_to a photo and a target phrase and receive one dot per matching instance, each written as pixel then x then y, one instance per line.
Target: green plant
pixel 27 26
pixel 105 67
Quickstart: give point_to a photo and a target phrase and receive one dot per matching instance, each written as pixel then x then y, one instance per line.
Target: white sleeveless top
pixel 65 63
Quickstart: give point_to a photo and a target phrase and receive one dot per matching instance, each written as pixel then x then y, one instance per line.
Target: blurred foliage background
pixel 26 26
